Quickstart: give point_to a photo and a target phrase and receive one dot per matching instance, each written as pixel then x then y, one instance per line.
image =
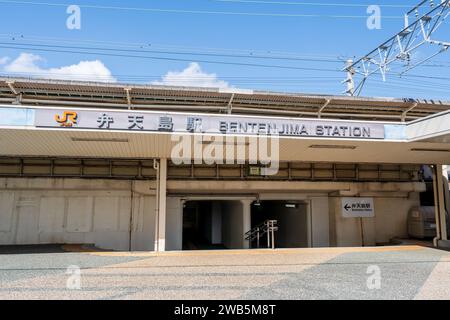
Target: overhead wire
pixel 49 49
pixel 165 46
pixel 184 11
pixel 126 52
pixel 172 52
pixel 319 4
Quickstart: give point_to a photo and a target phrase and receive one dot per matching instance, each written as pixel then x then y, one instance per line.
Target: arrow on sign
pixel 347 207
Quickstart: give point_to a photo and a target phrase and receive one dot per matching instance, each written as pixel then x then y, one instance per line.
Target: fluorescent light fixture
pixel 223 143
pixel 429 150
pixel 99 140
pixel 291 205
pixel 331 146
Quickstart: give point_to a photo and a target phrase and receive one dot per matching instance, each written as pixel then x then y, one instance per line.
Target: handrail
pixel 260 226
pixel 268 227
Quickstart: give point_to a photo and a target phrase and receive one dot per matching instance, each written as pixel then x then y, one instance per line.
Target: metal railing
pixel 267 228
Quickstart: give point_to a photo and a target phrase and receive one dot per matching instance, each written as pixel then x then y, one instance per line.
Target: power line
pixel 274 81
pixel 6 46
pixel 314 84
pixel 268 52
pixel 234 13
pixel 115 52
pixel 183 77
pixel 176 53
pixel 398 89
pixel 426 77
pixel 312 3
pixel 249 55
pixel 236 80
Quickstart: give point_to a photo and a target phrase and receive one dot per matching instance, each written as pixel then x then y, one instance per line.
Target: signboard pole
pixel 362 231
pixel 357 207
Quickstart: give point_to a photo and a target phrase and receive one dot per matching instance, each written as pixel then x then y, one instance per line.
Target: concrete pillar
pixel 446 203
pixel 162 206
pixel 246 221
pixel 439 204
pixel 436 207
pixel 216 223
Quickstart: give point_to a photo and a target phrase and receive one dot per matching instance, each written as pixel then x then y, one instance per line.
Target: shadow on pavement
pixel 47 248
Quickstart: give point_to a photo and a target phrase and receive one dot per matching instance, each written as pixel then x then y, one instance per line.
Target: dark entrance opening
pixel 212 225
pixel 198 226
pixel 292 220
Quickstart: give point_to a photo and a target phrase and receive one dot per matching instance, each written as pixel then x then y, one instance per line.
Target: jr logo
pixel 69 119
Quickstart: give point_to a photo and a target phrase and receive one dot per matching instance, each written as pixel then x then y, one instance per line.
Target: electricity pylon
pixel 427 17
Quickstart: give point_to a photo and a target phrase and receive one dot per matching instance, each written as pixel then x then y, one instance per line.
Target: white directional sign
pixel 358 208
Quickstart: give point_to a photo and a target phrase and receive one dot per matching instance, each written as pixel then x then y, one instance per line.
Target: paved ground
pixel 405 272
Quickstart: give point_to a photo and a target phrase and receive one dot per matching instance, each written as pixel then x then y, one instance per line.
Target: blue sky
pixel 324 37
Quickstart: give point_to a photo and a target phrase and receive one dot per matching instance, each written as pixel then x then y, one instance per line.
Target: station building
pixel 93 163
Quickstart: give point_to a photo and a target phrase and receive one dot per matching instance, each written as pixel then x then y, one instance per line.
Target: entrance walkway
pixel 404 272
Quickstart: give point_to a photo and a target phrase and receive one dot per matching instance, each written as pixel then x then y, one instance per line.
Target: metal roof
pixel 212 100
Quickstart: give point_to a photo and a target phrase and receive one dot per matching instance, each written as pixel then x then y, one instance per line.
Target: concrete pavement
pixel 398 272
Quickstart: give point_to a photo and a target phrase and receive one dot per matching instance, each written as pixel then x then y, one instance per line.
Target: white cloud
pixel 192 76
pixel 28 64
pixel 4 60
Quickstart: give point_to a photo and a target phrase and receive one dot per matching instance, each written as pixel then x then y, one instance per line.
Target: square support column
pixel 446 203
pixel 162 207
pixel 439 204
pixel 246 221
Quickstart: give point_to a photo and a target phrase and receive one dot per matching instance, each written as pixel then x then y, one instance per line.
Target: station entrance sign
pixel 206 124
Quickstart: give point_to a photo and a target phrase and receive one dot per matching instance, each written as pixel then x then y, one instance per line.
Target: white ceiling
pixel 59 143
